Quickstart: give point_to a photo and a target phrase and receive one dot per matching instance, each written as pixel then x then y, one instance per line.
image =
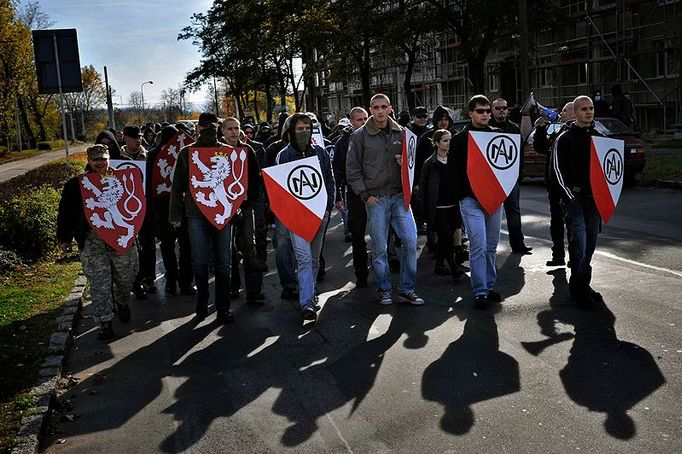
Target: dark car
pixel 635 153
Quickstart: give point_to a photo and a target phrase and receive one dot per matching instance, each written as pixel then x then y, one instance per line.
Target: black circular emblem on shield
pixel 304 182
pixel 502 152
pixel 411 152
pixel 126 165
pixel 613 166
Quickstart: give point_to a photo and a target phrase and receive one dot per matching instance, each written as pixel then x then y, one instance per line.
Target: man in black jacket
pixel 512 207
pixel 571 170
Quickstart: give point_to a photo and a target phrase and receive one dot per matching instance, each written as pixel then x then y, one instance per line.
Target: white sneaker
pixel 411 298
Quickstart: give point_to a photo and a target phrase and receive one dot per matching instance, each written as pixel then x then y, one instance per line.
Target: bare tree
pixel 135 102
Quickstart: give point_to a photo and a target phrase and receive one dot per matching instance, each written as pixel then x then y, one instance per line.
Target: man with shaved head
pixel 571 171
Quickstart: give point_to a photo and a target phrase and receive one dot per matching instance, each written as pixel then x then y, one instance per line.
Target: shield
pixel 493 166
pixel 407 168
pixel 297 194
pixel 116 164
pixel 607 168
pixel 114 205
pixel 317 138
pixel 218 181
pixel 164 164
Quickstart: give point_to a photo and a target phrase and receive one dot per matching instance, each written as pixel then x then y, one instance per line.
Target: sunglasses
pixel 421 116
pixel 501 108
pixel 482 111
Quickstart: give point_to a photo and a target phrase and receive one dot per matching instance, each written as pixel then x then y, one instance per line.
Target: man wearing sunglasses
pixel 512 208
pixel 482 228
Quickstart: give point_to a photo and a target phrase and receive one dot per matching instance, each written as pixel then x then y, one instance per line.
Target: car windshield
pixel 611 127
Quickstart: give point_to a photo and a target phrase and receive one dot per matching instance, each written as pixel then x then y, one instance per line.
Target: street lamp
pixel 142 92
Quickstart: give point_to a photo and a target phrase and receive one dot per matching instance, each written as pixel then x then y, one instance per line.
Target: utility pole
pixel 523 42
pixel 110 104
pixel 61 95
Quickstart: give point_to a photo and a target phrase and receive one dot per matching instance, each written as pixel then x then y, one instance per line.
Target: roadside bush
pixel 53 174
pixel 9 261
pixel 28 222
pixel 44 145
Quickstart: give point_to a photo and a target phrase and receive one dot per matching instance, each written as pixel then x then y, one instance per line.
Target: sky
pixel 136 40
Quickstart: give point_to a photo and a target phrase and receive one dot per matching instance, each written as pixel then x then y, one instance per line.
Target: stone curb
pixel 35 418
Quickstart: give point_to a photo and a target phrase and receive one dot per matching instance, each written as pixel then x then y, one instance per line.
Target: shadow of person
pixel 471 370
pixel 511 277
pixel 603 373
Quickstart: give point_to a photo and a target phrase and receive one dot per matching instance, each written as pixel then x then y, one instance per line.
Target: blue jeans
pixel 203 235
pixel 483 230
pixel 284 256
pixel 390 211
pixel 308 262
pixel 583 222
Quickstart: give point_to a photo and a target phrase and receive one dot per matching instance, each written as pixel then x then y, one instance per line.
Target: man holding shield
pixel 571 171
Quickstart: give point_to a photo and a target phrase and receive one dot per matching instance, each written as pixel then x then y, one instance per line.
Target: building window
pixel 493 78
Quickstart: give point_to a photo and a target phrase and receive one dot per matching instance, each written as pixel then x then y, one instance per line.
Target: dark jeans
pixel 357 224
pixel 204 237
pixel 445 223
pixel 512 211
pixel 176 271
pixel 556 223
pixel 244 232
pixel 583 221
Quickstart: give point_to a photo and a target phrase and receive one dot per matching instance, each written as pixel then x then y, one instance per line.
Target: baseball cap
pixel 420 111
pixel 344 122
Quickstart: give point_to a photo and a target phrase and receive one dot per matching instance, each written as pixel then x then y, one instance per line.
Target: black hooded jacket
pixel 425 146
pixel 113 146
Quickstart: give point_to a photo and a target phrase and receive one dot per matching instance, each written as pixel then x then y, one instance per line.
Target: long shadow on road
pixel 603 374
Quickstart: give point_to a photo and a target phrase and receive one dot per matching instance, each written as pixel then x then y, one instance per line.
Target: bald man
pixel 571 171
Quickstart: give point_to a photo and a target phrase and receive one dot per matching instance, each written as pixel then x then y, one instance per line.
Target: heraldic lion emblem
pixel 214 178
pixel 108 198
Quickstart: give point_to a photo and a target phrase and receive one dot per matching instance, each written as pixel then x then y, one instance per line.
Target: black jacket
pixel 71 222
pixel 339 163
pixel 427 194
pixel 424 145
pixel 457 161
pixel 542 144
pixel 571 161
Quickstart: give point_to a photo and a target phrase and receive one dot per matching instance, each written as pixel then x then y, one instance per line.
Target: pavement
pixel 532 374
pixel 17 167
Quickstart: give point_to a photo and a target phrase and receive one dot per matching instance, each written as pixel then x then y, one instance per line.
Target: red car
pixel 635 153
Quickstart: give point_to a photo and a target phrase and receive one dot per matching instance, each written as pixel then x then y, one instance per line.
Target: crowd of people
pixel 361 164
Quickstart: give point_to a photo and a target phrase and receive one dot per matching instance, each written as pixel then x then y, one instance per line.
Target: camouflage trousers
pixel 111 275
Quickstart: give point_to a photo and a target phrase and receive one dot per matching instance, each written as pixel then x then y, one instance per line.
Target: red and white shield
pixel 493 166
pixel 114 205
pixel 164 164
pixel 297 195
pixel 407 168
pixel 607 168
pixel 218 181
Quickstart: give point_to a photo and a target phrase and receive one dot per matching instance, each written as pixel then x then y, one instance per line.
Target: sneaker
pixel 106 331
pixel 308 313
pixel 385 298
pixel 494 297
pixel 123 312
pixel 556 261
pixel 411 298
pixel 481 302
pixel 523 249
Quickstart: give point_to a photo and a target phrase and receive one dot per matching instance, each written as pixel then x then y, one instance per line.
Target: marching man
pixel 104 262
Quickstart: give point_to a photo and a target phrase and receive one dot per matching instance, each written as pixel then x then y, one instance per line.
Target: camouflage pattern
pixel 111 275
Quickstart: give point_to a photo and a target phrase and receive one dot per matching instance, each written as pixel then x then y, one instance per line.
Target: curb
pixel 37 415
pixel 664 184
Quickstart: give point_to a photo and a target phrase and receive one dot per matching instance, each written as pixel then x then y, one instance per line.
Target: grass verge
pixel 663 167
pixel 8 156
pixel 30 299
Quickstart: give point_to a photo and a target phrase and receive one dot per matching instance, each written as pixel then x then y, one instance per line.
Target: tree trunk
pixel 282 83
pixel 256 111
pixel 365 71
pixel 476 64
pixel 407 81
pixel 27 126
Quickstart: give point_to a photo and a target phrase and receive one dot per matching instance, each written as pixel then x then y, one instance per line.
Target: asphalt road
pixel 534 374
pixel 20 166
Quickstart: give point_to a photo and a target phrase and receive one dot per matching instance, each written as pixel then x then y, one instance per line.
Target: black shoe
pixel 523 249
pixel 234 294
pixel 256 300
pixel 224 317
pixel 361 282
pixel 556 261
pixel 151 288
pixel 188 290
pixel 494 297
pixel 349 237
pixel 201 312
pixel 461 256
pixel 308 313
pixel 441 270
pixel 456 273
pixel 140 292
pixel 481 302
pixel 123 312
pixel 106 331
pixel 258 264
pixel 289 294
pixel 171 288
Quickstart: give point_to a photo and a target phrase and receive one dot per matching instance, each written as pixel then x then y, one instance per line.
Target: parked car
pixel 635 153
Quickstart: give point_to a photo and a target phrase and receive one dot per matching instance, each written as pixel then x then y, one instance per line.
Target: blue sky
pixel 136 40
